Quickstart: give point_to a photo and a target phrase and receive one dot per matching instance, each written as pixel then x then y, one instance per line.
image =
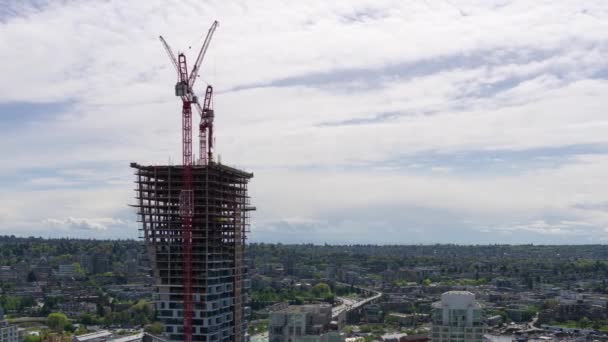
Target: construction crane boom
pixel 201 54
pixel 170 53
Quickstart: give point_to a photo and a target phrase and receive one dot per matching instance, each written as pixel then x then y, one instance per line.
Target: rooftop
pixel 136 337
pixel 211 165
pixel 95 335
pixel 457 300
pixel 304 308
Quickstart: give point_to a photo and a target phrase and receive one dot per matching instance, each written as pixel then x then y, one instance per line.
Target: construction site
pixel 194 220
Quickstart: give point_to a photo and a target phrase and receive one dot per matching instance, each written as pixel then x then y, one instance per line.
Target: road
pixel 347 303
pixel 350 304
pixel 531 325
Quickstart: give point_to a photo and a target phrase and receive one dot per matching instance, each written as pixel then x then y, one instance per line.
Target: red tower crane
pixel 206 128
pixel 184 89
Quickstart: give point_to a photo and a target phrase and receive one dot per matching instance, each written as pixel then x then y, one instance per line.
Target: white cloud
pixel 459 76
pixel 82 223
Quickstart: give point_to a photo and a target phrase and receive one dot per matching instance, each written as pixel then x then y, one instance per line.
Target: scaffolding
pixel 220 223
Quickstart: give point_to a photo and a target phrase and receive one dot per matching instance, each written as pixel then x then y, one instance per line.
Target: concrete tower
pixel 219 223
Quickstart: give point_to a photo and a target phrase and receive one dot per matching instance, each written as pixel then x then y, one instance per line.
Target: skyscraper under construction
pixel 219 224
pixel 194 218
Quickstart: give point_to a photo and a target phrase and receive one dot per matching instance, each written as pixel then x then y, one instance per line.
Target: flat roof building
pixel 98 336
pixel 8 332
pixel 303 323
pixel 458 317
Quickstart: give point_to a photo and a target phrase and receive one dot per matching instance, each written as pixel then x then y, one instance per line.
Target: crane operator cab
pixel 181 89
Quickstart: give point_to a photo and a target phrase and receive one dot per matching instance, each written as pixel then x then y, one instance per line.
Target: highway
pixel 351 304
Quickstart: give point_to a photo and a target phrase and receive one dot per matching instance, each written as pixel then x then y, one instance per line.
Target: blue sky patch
pixel 15 114
pixel 15 8
pixel 491 162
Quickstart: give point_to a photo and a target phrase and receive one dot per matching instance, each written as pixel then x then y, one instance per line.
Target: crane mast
pixel 186 205
pixel 184 90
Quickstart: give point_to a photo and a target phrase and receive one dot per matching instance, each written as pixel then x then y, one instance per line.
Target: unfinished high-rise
pixel 219 224
pixel 194 220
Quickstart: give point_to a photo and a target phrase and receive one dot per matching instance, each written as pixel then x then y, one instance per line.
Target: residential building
pixel 66 271
pixel 408 320
pixel 7 274
pixel 303 323
pixel 42 270
pixel 373 313
pixel 200 289
pixel 8 332
pixel 75 308
pixel 458 317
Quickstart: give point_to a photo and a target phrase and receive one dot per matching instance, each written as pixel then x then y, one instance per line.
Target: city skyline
pixel 387 122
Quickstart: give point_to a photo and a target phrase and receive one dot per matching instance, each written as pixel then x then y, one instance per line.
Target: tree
pixel 321 290
pixel 143 306
pixel 31 277
pixel 10 303
pixel 391 320
pixel 57 321
pixel 155 328
pixel 142 312
pixel 330 298
pixel 584 322
pixel 81 330
pixel 32 338
pixel 78 270
pixel 86 319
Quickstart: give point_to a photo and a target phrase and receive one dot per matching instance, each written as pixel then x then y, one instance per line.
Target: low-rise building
pixel 66 271
pixel 494 320
pixel 8 274
pixel 373 313
pixel 8 332
pixel 130 338
pixel 75 309
pixel 392 337
pixel 409 320
pixel 303 323
pixel 98 336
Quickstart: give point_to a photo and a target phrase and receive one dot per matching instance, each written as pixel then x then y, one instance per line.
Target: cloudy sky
pixel 406 121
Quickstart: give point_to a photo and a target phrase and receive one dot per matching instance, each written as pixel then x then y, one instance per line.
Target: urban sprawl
pixel 88 290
